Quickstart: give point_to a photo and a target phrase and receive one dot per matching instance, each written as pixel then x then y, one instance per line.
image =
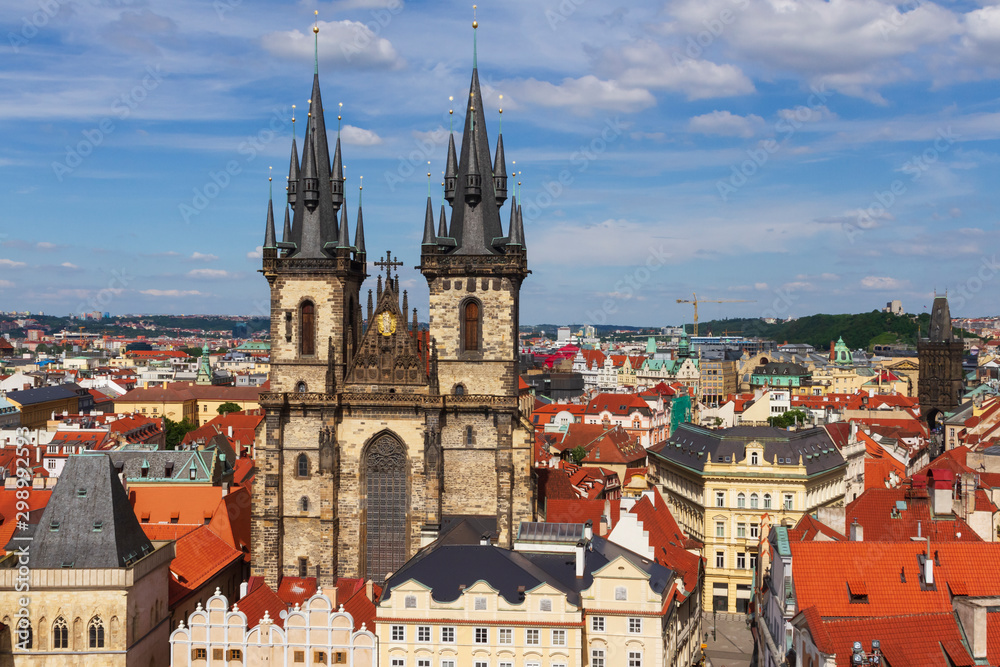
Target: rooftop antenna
pixel 316 40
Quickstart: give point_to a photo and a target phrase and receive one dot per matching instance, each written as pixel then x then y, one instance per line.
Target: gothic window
pixel 470 437
pixel 96 632
pixel 307 329
pixel 471 326
pixel 386 526
pixel 303 567
pixel 460 390
pixel 304 504
pixel 60 633
pixel 300 388
pixel 302 465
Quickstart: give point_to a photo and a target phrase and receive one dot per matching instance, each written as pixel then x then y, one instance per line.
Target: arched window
pixel 753 458
pixel 767 501
pixel 300 388
pixel 470 438
pixel 741 500
pixel 307 328
pixel 460 390
pixel 96 632
pixel 60 633
pixel 753 501
pixel 302 465
pixel 23 637
pixel 470 326
pixel 304 504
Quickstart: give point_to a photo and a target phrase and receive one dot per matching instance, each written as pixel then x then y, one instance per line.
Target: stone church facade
pixel 377 430
pixel 940 379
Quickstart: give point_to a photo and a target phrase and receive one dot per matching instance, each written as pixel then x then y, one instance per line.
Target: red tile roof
pixel 875 510
pixel 296 590
pixel 809 528
pixel 201 554
pixel 620 405
pixel 261 598
pixel 582 510
pixel 667 539
pixel 37 500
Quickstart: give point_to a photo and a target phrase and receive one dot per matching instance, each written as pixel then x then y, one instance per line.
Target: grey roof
pixel 88 522
pixel 448 569
pixel 42 394
pixel 781 368
pixel 530 531
pixel 171 465
pixel 690 446
pixel 474 226
pixel 940 329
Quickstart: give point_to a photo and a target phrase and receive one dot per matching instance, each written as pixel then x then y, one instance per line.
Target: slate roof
pixel 88 522
pixel 446 568
pixel 41 395
pixel 171 465
pixel 691 445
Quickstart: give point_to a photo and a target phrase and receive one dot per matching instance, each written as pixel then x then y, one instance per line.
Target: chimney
pixel 857 532
pixel 581 551
pixel 588 531
pixel 230 430
pixel 928 570
pixel 370 590
pixel 243 590
pixel 833 355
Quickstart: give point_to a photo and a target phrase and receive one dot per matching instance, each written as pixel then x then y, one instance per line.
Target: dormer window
pixel 753 458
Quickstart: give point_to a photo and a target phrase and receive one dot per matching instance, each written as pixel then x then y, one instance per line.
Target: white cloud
pixel 69 265
pixel 11 264
pixel 648 64
pixel 202 257
pixel 45 245
pixel 171 292
pixel 582 95
pixel 208 273
pixel 340 43
pixel 804 114
pixel 356 136
pixel 883 283
pixel 256 253
pixel 726 124
pixel 6 283
pixel 760 286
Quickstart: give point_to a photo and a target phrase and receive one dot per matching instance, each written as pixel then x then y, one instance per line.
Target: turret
pixel 270 243
pixel 429 224
pixel 451 172
pixel 337 176
pixel 442 224
pixel 500 173
pixel 473 177
pixel 293 171
pixel 359 236
pixel 310 176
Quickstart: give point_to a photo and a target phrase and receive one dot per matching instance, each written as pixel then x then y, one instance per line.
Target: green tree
pixel 177 430
pixel 578 454
pixel 789 418
pixel 228 407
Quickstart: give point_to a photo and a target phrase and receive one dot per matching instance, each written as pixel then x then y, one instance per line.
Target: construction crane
pixel 695 300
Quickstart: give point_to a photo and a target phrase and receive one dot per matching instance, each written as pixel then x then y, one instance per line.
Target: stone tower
pixel 474 274
pixel 939 385
pixel 378 430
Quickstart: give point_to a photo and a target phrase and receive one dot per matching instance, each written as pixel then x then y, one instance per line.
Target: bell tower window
pixel 471 326
pixel 307 329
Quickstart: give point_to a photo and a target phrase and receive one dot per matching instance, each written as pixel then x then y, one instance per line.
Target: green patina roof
pixel 781 532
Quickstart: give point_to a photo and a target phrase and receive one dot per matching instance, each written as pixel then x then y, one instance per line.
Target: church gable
pixel 390 353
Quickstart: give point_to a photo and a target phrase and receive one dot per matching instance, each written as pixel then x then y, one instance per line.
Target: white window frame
pixel 720 498
pixel 597 657
pixel 447 630
pixel 532 637
pixel 485 633
pixel 597 624
pixel 397 633
pixel 559 638
pixel 424 631
pixel 635 625
pixel 505 636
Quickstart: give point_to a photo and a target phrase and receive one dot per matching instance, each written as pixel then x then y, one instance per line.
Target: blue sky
pixel 805 156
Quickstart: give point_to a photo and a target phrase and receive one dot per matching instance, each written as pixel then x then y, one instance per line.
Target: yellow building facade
pixel 721 484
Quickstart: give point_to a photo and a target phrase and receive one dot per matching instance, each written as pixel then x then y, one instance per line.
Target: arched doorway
pixel 386 526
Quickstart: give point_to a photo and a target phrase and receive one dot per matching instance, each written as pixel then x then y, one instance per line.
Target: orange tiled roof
pixel 159 503
pixel 201 554
pixel 261 598
pixel 296 590
pixel 37 499
pixel 875 511
pixel 582 510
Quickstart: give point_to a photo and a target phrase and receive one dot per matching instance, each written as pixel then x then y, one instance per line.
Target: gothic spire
pixel 286 233
pixel 515 232
pixel 337 176
pixel 359 234
pixel 269 240
pixel 451 172
pixel 940 329
pixel 344 239
pixel 442 224
pixel 293 169
pixel 500 173
pixel 429 224
pixel 475 219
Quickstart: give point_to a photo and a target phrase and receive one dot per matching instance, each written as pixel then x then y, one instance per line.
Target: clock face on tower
pixel 386 323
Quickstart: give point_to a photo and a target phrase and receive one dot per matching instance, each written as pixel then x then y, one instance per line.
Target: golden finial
pixel 361 182
pixel 475 23
pixel 269 174
pixel 316 25
pixel 293 113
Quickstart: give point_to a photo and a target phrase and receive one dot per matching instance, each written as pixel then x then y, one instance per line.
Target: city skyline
pixel 812 157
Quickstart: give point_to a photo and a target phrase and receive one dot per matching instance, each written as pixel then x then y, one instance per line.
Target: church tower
pixel 378 431
pixel 315 278
pixel 939 385
pixel 474 273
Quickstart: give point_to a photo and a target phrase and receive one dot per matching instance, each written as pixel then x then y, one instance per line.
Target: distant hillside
pixel 858 331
